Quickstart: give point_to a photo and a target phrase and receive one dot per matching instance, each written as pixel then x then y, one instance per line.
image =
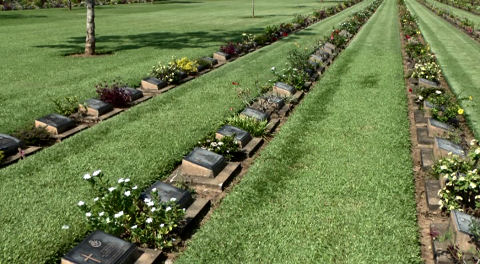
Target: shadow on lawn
pixel 5 15
pixel 160 40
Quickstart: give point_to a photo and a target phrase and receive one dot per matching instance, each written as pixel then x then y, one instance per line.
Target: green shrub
pixel 1 156
pixel 67 105
pixel 227 146
pixel 118 209
pixel 251 125
pixel 34 136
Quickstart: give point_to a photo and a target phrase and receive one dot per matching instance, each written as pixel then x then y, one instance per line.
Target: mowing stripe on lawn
pixel 38 195
pixel 336 183
pixel 458 55
pixel 459 12
pixel 34 70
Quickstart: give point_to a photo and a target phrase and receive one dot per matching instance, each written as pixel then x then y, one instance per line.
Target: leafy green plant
pixel 34 136
pixel 475 230
pixel 292 76
pixel 67 105
pixel 170 72
pixel 427 70
pixel 227 146
pixel 118 209
pixel 186 65
pixel 251 125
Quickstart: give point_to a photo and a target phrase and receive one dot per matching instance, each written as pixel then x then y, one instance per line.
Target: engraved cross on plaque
pixel 89 257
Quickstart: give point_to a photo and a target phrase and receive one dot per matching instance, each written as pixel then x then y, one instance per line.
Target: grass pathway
pixel 459 12
pixel 457 53
pixel 38 195
pixel 336 184
pixel 34 70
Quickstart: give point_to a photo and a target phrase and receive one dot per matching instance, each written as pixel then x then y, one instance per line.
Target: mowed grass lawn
pixel 458 55
pixel 336 184
pixel 39 195
pixel 33 70
pixel 459 12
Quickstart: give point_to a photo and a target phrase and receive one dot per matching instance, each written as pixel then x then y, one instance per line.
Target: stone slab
pixel 316 58
pixel 459 225
pixel 252 146
pixel 12 159
pixel 254 113
pixel 440 248
pixel 242 137
pixel 272 125
pixel 9 145
pixel 100 247
pixel 166 192
pixel 422 136
pixel 277 101
pixel 148 256
pixel 426 155
pixel 152 83
pixel 330 46
pixel 281 88
pixel 221 56
pixel 284 111
pixel 419 117
pixel 212 61
pixel 70 132
pixel 442 147
pixel 432 187
pixel 194 214
pixel 97 107
pixel 135 94
pixel 437 128
pixel 298 96
pixel 55 123
pixel 203 163
pixel 427 83
pixel 217 183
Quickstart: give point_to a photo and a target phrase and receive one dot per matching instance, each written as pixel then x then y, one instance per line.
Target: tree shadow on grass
pixel 159 40
pixel 5 15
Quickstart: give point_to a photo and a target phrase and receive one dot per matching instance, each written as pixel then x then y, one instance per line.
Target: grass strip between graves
pixel 39 195
pixel 458 55
pixel 35 71
pixel 335 185
pixel 459 12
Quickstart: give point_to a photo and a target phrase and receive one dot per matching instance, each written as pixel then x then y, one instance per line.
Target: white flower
pixel 273 68
pixel 438 92
pixel 127 193
pixel 87 177
pixel 162 225
pixel 134 227
pixel 154 189
pixel 458 198
pixel 477 197
pixel 477 151
pixel 153 209
pixel 111 189
pixel 127 180
pixel 121 180
pixel 168 209
pixel 134 187
pixel 420 97
pixel 149 220
pixel 65 227
pixel 220 143
pixel 101 213
pixel 443 167
pixel 473 185
pixel 96 199
pixel 96 173
pixel 173 199
pixel 117 215
pixel 88 214
pixel 150 204
pixel 473 142
pixel 108 220
pixel 81 203
pixel 147 200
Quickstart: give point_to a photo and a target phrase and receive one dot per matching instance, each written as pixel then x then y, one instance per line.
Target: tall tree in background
pixel 253 8
pixel 90 40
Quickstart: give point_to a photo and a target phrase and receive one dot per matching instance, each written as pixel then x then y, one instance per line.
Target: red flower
pixel 284 34
pixel 231 108
pixel 235 83
pixel 407 36
pixel 274 39
pixel 331 37
pixel 410 90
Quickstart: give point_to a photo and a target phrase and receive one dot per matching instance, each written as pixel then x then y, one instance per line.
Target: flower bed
pixel 464 24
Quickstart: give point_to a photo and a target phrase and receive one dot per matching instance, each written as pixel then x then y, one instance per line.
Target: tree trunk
pixel 90 40
pixel 253 8
pixel 70 5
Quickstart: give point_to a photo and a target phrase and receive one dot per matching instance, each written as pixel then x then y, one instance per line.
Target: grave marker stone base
pixel 152 83
pixel 9 145
pixel 100 247
pixel 55 123
pixel 459 225
pixel 242 137
pixel 221 56
pixel 203 163
pixel 219 182
pixel 442 147
pixel 281 88
pixel 97 107
pixel 437 128
pixel 254 113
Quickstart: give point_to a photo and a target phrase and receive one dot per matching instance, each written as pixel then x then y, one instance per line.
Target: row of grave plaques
pixel 99 247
